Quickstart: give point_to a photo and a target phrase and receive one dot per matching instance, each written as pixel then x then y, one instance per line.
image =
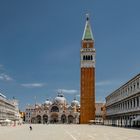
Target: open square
pixel 68 132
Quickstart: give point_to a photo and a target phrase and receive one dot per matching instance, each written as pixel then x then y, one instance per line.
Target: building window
pixel 131 88
pixel 134 86
pixel 131 104
pixel 134 102
pixel 137 84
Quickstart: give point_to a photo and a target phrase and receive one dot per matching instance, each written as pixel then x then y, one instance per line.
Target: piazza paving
pixel 67 132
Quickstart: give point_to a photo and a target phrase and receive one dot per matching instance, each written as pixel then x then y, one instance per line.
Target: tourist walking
pixel 30 128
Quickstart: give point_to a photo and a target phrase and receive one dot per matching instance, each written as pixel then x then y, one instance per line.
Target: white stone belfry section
pixel 88 58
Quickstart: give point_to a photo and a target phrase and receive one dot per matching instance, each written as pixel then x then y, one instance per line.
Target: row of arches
pixel 53 119
pixel 87 57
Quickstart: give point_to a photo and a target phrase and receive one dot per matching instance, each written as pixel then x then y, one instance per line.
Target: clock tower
pixel 87 88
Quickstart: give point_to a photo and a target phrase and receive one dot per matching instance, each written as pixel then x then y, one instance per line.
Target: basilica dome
pixel 48 102
pixel 60 99
pixel 75 103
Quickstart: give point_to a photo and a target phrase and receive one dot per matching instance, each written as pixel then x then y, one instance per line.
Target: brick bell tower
pixel 87 99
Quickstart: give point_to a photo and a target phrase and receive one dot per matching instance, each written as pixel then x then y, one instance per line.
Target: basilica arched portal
pixel 38 119
pixel 63 118
pixel 70 119
pixel 54 118
pixel 33 120
pixel 45 118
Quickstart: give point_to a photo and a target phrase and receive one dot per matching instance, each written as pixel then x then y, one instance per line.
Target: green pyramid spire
pixel 87 32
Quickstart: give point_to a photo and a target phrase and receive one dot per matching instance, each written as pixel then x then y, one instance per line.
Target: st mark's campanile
pixel 87 87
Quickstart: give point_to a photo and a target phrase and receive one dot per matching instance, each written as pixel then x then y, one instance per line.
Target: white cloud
pixel 103 83
pixel 100 101
pixel 68 91
pixel 33 85
pixel 78 95
pixel 5 77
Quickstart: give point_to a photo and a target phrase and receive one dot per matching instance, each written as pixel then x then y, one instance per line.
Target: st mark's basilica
pixel 56 111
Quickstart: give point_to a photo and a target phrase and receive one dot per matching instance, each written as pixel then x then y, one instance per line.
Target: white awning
pixel 7 120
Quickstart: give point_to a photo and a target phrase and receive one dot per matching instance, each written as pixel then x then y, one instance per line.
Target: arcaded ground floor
pixel 68 132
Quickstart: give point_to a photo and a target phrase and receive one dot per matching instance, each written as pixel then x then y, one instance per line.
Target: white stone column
pixel 125 105
pixel 129 104
pixel 139 101
pixel 132 103
pixel 123 123
pixel 59 119
pixel 132 87
pixel 129 89
pixel 49 118
pixel 119 107
pixel 122 106
pixel 128 121
pixel 139 82
pixel 136 102
pixel 119 121
pixel 42 119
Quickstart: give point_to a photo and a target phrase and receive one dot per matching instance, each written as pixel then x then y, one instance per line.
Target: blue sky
pixel 40 43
